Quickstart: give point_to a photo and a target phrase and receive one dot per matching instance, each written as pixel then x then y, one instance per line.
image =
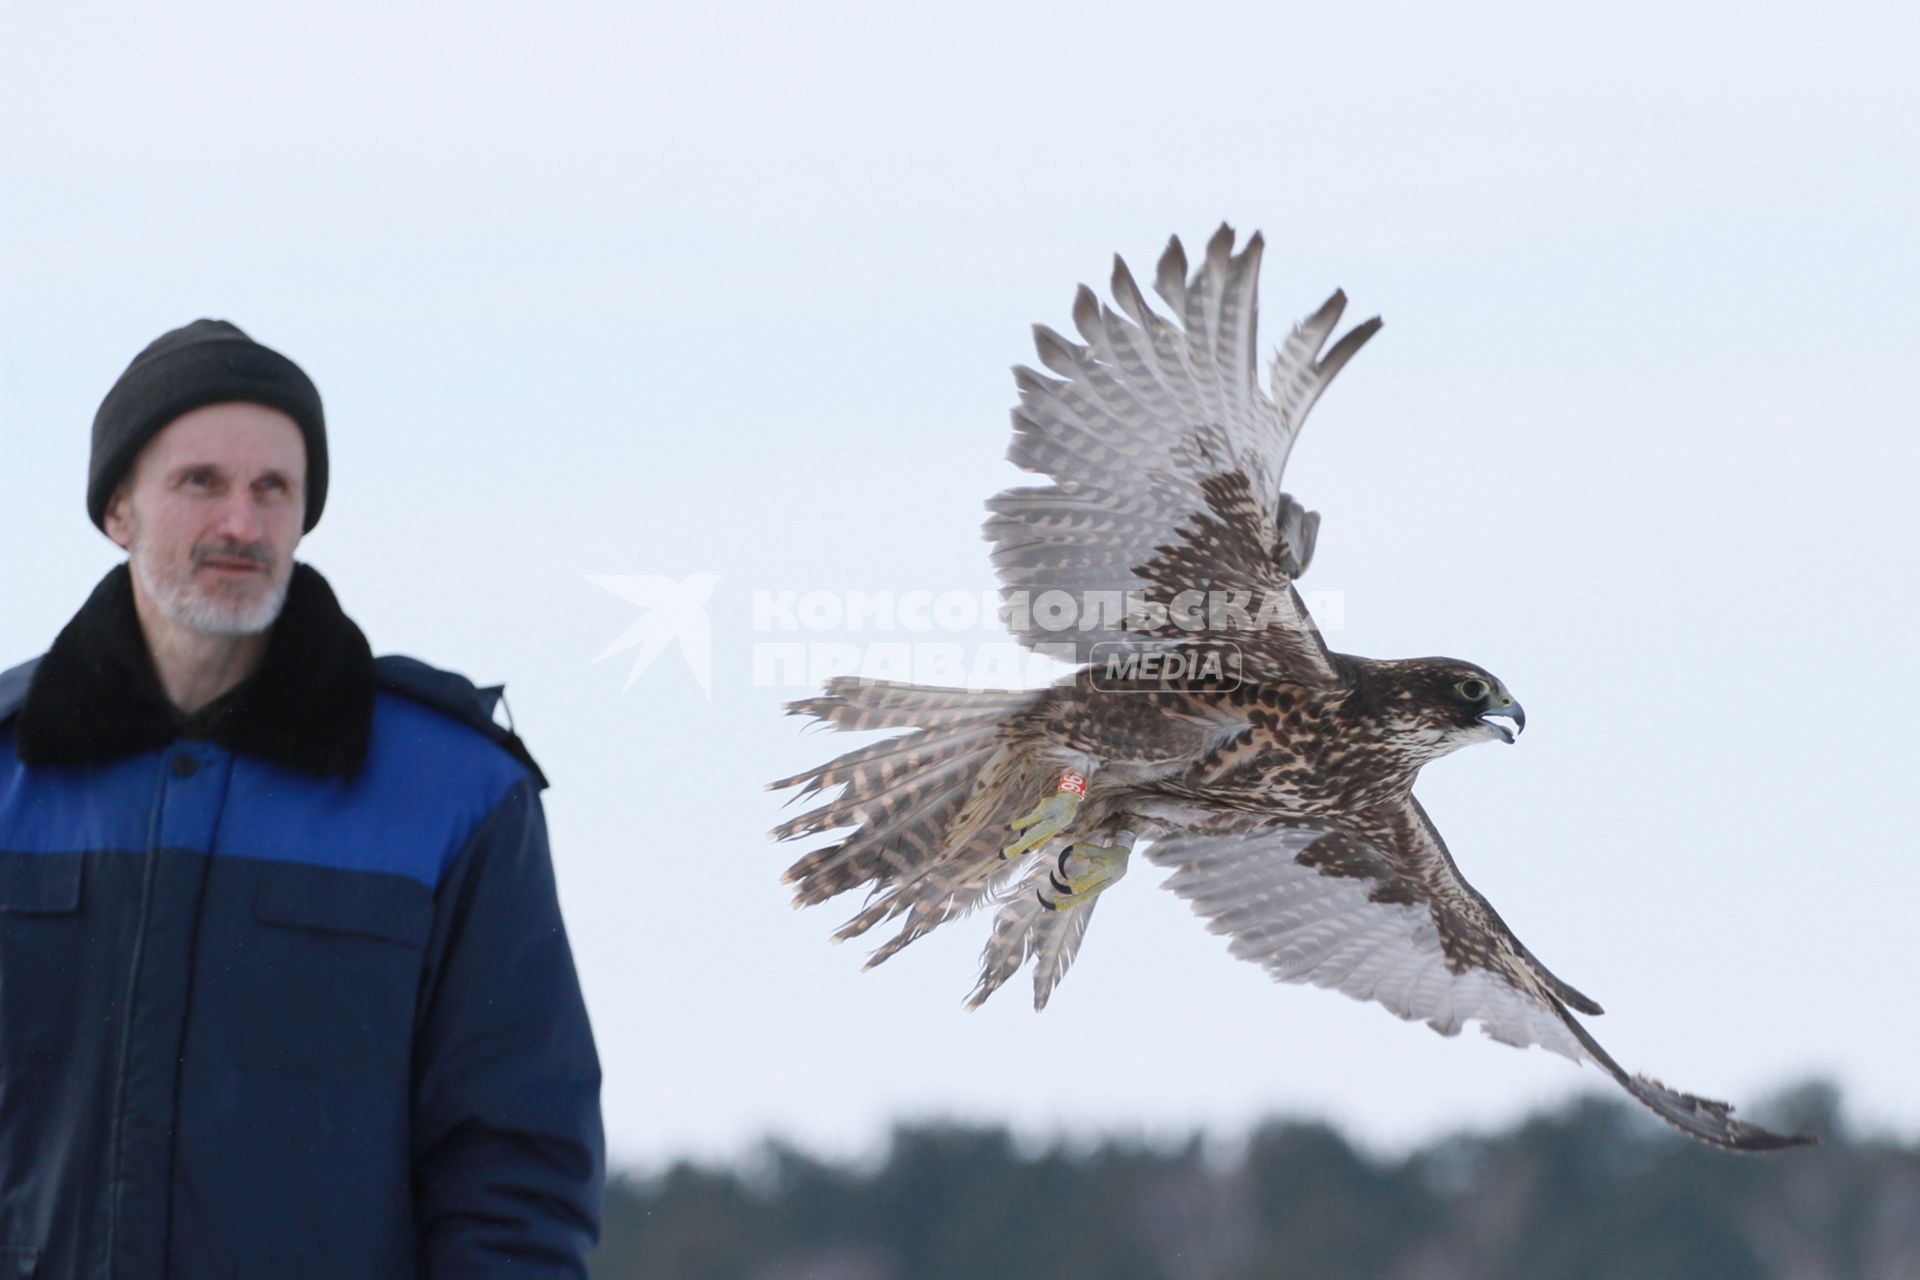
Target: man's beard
pixel 183 602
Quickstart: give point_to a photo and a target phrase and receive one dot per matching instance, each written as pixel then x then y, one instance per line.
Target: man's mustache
pixel 258 552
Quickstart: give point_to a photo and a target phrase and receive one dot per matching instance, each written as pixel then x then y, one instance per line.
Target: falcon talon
pixel 1106 864
pixel 1043 822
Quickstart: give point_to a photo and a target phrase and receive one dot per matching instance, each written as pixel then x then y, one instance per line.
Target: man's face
pixel 210 515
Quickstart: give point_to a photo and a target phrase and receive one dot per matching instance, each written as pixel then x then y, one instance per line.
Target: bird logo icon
pixel 676 610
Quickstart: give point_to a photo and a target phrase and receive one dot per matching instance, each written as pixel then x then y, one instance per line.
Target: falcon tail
pixel 1025 928
pixel 928 808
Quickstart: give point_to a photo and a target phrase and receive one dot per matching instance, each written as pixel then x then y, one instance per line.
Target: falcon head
pixel 1438 705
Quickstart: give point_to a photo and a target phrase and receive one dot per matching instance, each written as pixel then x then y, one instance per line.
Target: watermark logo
pixel 1065 615
pixel 676 612
pixel 1126 641
pixel 1119 667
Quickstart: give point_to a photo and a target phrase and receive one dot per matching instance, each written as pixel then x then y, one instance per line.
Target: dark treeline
pixel 1593 1191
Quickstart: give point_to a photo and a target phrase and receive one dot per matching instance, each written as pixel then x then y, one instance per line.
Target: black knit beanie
pixel 206 362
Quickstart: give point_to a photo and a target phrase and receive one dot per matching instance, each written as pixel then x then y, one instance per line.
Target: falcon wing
pixel 1166 458
pixel 1380 912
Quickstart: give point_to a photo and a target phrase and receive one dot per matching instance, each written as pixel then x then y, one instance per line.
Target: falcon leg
pixel 1050 817
pixel 1100 867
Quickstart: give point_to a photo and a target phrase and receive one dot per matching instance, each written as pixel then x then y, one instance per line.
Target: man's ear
pixel 119 520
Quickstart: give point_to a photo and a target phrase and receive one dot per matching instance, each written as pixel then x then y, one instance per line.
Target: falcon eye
pixel 1473 689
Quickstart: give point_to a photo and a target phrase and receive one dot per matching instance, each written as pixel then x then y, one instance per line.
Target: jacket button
pixel 185 766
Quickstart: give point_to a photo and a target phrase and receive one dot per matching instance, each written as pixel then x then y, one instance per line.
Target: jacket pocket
pixel 363 903
pixel 303 1269
pixel 39 884
pixel 331 973
pixel 43 958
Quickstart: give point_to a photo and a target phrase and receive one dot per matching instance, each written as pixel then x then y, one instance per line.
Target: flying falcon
pixel 1206 723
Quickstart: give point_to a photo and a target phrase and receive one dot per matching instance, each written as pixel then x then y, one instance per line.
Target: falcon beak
pixel 1503 706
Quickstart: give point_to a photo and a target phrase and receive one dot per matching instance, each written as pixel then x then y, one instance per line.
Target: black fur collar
pixel 309 706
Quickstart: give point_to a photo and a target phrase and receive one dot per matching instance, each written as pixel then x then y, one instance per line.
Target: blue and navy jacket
pixel 284 990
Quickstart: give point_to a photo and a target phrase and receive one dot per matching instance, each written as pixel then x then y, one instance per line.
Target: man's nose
pixel 240 518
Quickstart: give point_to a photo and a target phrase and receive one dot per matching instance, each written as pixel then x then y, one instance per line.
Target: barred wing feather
pixel 1166 457
pixel 1395 923
pixel 1312 921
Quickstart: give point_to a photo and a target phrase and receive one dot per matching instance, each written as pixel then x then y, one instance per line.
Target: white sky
pixel 628 290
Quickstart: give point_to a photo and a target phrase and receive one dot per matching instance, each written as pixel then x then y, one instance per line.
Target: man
pixel 284 990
